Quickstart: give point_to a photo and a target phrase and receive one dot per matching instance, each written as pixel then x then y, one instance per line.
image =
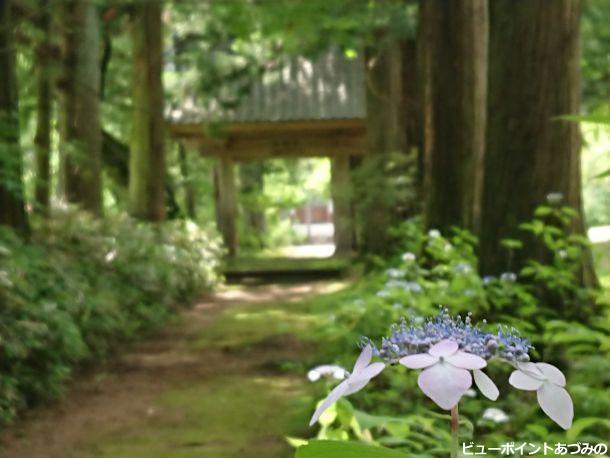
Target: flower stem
pixel 455 426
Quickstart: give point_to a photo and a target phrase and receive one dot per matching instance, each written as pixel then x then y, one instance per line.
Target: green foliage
pixel 595 163
pixel 415 433
pixel 82 285
pixel 558 280
pixel 335 449
pixel 270 191
pixel 595 58
pixel 569 326
pixel 596 168
pixel 387 182
pixel 221 47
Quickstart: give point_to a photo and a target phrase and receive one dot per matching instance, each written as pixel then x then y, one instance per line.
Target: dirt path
pixel 213 384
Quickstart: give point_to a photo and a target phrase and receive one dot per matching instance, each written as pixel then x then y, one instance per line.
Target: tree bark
pixel 411 99
pixel 189 192
pixel 386 134
pixel 147 160
pixel 81 135
pixel 42 138
pixel 454 90
pixel 530 153
pixel 12 203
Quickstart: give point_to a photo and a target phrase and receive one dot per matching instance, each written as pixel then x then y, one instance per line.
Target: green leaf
pixel 543 211
pixel 335 449
pixel 512 244
pixel 345 412
pixel 540 431
pixel 604 174
pixel 368 421
pixel 590 118
pixel 296 442
pixel 328 416
pixel 398 429
pixel 583 423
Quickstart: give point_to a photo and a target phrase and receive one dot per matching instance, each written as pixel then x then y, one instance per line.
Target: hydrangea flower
pixel 462 268
pixel 408 286
pixel 509 277
pixel 445 377
pixel 495 415
pixel 361 374
pixel 395 273
pixel 326 370
pixel 434 233
pixel 417 337
pixel 549 383
pixel 485 385
pixel 554 197
pixel 452 351
pixel 408 257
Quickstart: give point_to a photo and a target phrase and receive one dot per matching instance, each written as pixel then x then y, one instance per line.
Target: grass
pixel 222 417
pixel 262 264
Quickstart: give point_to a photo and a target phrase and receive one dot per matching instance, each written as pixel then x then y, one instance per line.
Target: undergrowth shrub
pixel 569 325
pixel 81 285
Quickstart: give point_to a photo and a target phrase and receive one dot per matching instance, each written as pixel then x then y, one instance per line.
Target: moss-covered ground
pixel 227 379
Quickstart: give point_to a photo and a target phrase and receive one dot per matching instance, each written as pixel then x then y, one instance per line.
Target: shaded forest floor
pixel 225 380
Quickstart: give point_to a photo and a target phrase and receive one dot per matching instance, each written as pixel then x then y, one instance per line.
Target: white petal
pixel 313 375
pixel 523 381
pixel 443 348
pixel 444 384
pixel 552 373
pixel 355 387
pixel 363 359
pixel 495 415
pixel 466 360
pixel 418 361
pixel 367 373
pixel 556 403
pixel 332 397
pixel 485 385
pixel 531 369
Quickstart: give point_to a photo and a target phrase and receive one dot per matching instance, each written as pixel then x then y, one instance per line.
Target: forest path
pixel 224 380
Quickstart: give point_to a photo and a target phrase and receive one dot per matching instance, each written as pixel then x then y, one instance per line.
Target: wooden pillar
pixel 342 205
pixel 226 203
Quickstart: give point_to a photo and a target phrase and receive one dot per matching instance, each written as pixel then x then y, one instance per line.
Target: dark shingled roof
pixel 328 87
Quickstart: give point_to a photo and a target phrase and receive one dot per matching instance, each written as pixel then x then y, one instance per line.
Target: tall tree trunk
pixel 413 119
pixel 455 90
pixel 189 192
pixel 12 206
pixel 147 160
pixel 529 153
pixel 42 138
pixel 386 135
pixel 81 135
